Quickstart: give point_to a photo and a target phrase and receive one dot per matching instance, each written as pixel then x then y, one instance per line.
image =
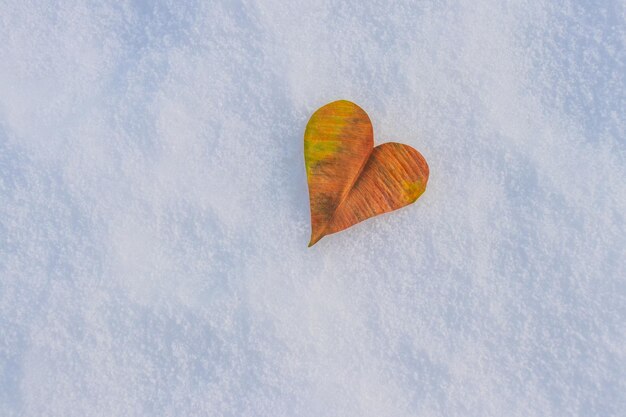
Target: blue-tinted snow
pixel 154 212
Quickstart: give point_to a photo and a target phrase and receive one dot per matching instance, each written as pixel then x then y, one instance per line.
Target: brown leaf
pixel 350 180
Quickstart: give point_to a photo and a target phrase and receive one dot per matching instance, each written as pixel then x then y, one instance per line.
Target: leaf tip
pixel 315 239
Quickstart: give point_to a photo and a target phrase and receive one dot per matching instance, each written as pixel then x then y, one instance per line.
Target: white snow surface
pixel 154 213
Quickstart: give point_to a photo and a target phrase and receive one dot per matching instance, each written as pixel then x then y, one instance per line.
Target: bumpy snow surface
pixel 154 213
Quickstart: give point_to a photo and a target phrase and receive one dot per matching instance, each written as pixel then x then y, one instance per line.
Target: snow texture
pixel 154 213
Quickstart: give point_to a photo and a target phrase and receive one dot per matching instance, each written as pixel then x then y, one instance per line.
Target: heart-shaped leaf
pixel 349 179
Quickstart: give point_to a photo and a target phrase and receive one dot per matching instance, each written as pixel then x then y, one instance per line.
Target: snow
pixel 154 214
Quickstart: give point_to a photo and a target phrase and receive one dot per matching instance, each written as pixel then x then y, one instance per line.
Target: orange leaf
pixel 349 179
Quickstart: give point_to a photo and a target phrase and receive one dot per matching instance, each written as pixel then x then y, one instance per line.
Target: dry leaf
pixel 349 179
